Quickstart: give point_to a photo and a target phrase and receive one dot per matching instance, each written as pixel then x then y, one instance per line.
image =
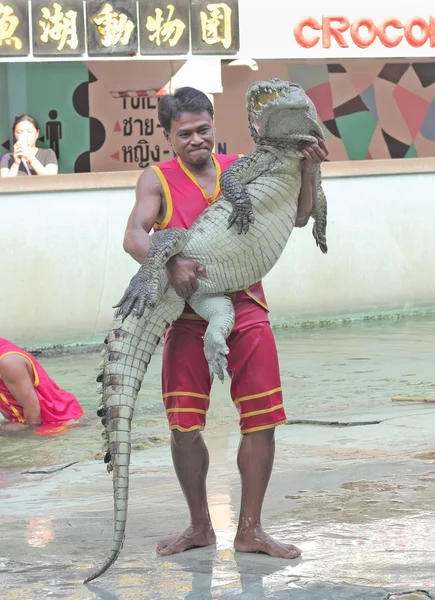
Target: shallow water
pixel 325 372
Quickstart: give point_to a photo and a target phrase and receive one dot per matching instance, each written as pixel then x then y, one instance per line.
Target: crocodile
pixel 239 238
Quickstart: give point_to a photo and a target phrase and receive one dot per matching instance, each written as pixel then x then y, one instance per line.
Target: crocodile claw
pixel 216 356
pixel 320 240
pixel 140 295
pixel 241 216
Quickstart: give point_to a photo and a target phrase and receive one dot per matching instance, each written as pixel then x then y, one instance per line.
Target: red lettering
pixel 411 38
pixel 387 40
pixel 363 41
pixel 300 37
pixel 336 31
pixel 432 31
pixel 334 27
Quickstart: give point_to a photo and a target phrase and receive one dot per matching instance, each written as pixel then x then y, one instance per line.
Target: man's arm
pixel 146 211
pixel 18 378
pixel 314 154
pixel 307 196
pixel 182 272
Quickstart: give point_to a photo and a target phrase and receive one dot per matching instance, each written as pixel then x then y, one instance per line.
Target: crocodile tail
pixel 130 345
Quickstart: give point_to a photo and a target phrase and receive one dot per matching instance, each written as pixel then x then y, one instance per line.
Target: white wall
pixel 62 265
pixel 381 256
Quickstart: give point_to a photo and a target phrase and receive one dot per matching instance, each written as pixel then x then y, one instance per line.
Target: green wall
pixel 37 88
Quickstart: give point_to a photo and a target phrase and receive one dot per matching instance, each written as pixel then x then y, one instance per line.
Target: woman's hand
pixel 28 154
pixel 315 153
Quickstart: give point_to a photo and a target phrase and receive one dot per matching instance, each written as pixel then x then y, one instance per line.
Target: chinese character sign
pixel 58 27
pixel 215 27
pixel 115 28
pixel 164 26
pixel 112 27
pixel 14 28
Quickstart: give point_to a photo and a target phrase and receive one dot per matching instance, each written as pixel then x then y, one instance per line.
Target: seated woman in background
pixel 27 159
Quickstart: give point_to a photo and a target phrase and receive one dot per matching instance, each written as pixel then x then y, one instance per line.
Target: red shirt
pixel 57 405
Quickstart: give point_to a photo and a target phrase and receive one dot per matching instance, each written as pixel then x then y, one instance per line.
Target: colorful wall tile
pixel 373 109
pixel 368 109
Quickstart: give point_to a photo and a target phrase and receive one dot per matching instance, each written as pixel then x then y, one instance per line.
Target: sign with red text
pixel 364 31
pixel 325 29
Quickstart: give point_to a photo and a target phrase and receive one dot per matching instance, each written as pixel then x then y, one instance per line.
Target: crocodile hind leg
pixel 219 312
pixel 147 287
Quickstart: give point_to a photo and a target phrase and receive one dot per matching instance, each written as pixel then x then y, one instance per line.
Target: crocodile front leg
pixel 146 288
pixel 320 214
pixel 232 182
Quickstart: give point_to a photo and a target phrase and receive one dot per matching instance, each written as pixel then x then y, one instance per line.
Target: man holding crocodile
pixel 173 194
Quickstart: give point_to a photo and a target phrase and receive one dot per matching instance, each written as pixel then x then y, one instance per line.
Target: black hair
pixel 185 99
pixel 22 118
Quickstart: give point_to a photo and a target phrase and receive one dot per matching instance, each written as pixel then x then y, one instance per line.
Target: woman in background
pixel 26 158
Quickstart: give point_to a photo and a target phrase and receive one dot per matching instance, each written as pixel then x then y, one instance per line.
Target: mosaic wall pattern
pixel 370 109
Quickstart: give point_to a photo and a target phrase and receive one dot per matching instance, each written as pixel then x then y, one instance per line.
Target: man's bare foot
pixel 191 538
pixel 257 540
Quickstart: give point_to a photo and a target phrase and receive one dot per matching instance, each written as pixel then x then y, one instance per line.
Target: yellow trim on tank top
pixel 217 188
pixel 168 198
pixel 260 302
pixel 35 372
pixel 13 408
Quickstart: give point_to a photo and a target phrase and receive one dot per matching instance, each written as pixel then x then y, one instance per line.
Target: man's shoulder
pixel 225 160
pixel 171 163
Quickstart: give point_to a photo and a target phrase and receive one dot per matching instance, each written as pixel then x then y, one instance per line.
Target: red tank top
pixel 186 200
pixel 57 405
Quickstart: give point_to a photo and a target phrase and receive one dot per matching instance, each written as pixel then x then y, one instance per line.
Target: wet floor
pixel 353 485
pixel 324 372
pixel 362 516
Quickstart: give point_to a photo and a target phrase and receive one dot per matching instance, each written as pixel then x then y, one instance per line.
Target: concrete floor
pixel 358 500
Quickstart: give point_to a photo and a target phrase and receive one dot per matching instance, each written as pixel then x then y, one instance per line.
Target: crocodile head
pixel 281 114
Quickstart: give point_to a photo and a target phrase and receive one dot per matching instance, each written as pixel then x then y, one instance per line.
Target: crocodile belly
pixel 235 261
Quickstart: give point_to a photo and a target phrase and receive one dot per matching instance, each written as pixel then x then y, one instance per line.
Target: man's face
pixel 192 137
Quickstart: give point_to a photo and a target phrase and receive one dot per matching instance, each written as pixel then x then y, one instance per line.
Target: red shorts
pixel 252 365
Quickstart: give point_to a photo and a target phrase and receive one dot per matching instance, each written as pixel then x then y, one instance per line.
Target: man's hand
pixel 14 427
pixel 314 154
pixel 182 275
